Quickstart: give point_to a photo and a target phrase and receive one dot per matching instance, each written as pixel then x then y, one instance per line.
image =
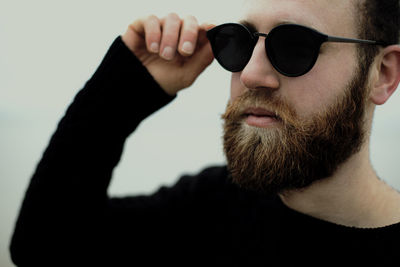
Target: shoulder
pixel 211 188
pixel 210 178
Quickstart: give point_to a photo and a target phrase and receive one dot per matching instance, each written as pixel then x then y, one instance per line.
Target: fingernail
pixel 187 47
pixel 154 47
pixel 168 53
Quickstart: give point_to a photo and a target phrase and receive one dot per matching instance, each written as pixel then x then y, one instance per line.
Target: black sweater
pixel 67 218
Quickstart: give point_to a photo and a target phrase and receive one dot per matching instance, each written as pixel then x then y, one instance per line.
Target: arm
pixel 65 204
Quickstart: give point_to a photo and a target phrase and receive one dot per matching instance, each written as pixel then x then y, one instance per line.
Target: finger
pixel 149 28
pixel 188 36
pixel 170 36
pixel 152 29
pixel 138 26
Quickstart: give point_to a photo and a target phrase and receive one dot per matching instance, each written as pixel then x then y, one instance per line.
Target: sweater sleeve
pixel 66 200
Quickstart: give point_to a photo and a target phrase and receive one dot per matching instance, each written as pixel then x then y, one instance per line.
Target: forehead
pixel 329 16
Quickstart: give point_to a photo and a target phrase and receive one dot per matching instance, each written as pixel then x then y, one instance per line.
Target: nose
pixel 259 73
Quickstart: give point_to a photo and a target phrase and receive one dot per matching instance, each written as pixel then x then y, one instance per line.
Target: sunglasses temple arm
pixel 350 40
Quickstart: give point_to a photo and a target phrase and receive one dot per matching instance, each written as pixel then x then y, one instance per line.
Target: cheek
pixel 320 88
pixel 236 86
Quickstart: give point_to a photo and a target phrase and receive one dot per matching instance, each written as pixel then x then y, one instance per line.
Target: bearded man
pixel 298 188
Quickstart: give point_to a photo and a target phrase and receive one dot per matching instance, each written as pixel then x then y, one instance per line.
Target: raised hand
pixel 174 50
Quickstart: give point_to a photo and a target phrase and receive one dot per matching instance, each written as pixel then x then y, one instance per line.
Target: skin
pixel 320 86
pixel 354 195
pixel 159 44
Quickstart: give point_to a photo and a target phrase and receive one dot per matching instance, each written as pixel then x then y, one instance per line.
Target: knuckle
pixel 136 22
pixel 190 27
pixel 152 22
pixel 173 16
pixel 191 19
pixel 172 20
pixel 152 17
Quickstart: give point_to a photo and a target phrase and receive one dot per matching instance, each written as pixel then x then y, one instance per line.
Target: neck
pixel 354 196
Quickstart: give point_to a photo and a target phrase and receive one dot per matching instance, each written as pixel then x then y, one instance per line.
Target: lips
pixel 260 112
pixel 260 117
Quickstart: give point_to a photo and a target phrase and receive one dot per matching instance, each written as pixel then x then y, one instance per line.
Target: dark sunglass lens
pixel 293 49
pixel 232 46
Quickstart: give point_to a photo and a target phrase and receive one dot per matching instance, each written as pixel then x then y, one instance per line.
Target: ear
pixel 388 74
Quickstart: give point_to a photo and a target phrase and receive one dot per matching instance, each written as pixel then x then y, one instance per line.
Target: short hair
pixel 377 20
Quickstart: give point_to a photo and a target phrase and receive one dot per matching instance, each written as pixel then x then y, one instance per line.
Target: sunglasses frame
pixel 318 38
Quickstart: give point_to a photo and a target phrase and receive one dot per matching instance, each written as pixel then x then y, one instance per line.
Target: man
pixel 298 187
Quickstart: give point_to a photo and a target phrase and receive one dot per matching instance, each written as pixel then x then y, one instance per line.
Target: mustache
pixel 260 99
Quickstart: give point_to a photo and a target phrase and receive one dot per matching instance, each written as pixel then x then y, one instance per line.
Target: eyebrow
pixel 253 28
pixel 248 25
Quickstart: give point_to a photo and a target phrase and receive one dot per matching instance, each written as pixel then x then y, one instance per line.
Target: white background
pixel 49 48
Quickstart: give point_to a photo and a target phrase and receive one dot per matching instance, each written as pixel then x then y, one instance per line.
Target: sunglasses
pixel 291 48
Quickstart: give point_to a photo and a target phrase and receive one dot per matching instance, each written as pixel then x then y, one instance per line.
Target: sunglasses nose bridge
pixel 259 72
pixel 256 36
pixel 260 34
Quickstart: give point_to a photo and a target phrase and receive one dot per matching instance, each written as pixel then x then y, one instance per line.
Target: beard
pixel 297 152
